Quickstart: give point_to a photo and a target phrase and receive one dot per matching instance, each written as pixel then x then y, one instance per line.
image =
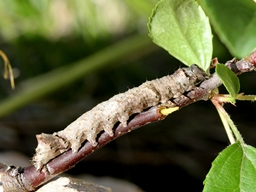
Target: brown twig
pixel 27 179
pixel 68 159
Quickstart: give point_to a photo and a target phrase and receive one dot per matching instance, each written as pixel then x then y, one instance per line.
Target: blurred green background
pixel 67 56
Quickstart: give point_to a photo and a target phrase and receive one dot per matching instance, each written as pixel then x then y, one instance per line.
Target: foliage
pixel 172 26
pixel 234 22
pixel 233 170
pixel 190 42
pixel 60 19
pixel 56 64
pixel 229 79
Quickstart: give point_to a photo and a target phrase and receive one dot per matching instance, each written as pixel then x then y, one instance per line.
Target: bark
pixel 29 178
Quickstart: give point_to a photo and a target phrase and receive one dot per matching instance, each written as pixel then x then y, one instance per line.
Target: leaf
pixel 181 27
pixel 233 170
pixel 229 79
pixel 234 22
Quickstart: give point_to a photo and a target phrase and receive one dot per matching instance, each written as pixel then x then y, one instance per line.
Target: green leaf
pixel 235 23
pixel 181 27
pixel 233 170
pixel 229 79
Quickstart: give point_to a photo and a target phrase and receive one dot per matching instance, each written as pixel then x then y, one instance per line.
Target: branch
pixel 29 178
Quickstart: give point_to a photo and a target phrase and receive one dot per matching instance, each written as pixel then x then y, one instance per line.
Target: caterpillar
pixel 119 108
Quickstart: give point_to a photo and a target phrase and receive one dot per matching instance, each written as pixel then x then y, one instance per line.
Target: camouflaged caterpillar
pixel 117 109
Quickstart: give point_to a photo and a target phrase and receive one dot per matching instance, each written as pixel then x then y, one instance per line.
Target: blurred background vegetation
pixel 67 56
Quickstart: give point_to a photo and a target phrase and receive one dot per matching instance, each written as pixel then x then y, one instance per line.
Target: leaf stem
pixel 246 97
pixel 7 68
pixel 228 124
pixel 224 120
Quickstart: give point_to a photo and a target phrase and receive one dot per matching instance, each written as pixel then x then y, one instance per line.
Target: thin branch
pixel 223 117
pixel 27 179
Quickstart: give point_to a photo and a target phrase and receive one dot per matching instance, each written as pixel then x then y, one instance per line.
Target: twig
pixel 28 178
